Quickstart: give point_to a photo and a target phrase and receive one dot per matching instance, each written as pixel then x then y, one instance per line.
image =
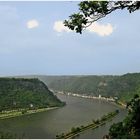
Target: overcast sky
pixel 33 40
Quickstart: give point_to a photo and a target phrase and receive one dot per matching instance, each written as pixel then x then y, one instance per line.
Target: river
pixel 77 112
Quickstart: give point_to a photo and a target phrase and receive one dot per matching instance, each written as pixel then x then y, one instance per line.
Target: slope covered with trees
pixel 25 93
pixel 123 87
pixel 130 127
pixel 78 84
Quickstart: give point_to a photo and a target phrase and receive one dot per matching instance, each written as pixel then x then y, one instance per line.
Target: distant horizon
pixel 20 75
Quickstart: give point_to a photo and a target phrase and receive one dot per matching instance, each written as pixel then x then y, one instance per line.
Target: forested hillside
pixel 25 93
pixel 124 86
pixel 79 84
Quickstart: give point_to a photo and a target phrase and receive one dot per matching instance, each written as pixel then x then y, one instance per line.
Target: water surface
pixel 77 112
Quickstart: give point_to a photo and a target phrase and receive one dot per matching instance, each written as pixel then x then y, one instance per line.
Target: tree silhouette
pixel 91 11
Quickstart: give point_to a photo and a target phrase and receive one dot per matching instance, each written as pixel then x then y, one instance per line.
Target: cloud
pixel 32 24
pixel 59 27
pixel 101 29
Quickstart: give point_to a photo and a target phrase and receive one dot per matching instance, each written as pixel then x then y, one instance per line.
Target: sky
pixel 33 40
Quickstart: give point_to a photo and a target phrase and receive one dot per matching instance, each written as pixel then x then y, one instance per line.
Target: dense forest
pixel 25 93
pixel 124 87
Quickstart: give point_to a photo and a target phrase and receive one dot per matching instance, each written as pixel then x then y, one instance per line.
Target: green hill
pixel 18 93
pixel 124 87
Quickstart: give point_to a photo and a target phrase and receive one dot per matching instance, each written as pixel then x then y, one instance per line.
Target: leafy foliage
pixel 25 93
pixel 91 11
pixel 130 127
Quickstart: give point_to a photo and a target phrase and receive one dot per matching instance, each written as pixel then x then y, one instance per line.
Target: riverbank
pixel 21 112
pixel 85 96
pixel 96 123
pixel 77 112
pixel 110 100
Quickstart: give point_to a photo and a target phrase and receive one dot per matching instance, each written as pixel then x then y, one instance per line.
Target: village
pixel 112 99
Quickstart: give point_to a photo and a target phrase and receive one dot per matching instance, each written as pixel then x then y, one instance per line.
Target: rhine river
pixel 77 112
